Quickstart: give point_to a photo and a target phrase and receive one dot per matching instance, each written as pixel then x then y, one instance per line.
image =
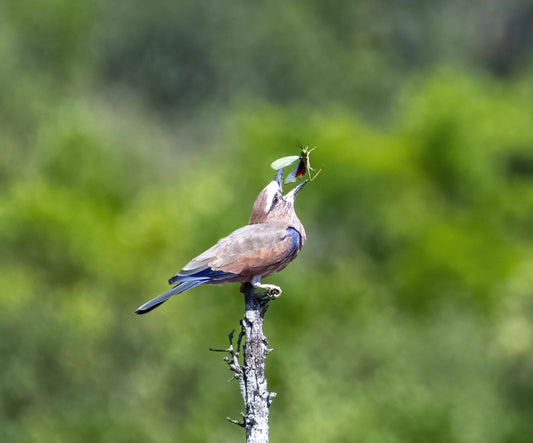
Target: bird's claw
pixel 272 291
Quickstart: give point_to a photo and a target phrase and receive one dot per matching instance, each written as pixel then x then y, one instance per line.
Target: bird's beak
pixel 292 194
pixel 279 178
pixel 300 186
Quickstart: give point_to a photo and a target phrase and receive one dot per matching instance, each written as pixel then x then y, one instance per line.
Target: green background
pixel 133 135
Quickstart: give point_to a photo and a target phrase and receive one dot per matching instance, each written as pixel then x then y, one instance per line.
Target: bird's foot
pixel 272 291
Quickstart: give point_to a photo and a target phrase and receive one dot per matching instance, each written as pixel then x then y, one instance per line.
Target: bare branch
pixel 251 374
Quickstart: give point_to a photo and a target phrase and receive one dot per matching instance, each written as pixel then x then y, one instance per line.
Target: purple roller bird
pixel 271 240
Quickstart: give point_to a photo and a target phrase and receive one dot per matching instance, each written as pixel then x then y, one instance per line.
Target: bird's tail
pixel 179 288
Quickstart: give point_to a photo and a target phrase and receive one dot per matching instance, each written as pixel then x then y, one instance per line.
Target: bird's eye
pixel 275 201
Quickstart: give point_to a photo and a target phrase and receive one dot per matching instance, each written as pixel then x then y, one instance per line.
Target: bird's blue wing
pixel 202 275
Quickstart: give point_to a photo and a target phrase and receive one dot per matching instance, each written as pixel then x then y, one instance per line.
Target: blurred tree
pixel 133 137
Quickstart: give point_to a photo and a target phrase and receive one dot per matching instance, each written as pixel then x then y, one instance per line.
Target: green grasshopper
pixel 302 167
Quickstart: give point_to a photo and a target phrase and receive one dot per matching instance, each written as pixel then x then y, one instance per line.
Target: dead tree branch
pixel 251 374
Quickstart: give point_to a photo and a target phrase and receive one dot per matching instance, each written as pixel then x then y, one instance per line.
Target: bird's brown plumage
pixel 271 240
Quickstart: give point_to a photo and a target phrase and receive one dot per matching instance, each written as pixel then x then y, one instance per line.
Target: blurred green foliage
pixel 132 139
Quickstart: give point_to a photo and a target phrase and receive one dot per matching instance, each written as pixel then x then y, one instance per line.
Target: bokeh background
pixel 133 135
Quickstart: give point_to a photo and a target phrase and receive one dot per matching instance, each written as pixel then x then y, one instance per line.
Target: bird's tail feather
pixel 179 288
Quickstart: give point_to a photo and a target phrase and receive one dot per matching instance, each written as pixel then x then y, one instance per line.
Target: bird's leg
pixel 272 291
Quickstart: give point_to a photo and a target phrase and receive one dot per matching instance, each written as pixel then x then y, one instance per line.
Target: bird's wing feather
pixel 202 274
pixel 253 247
pixel 249 247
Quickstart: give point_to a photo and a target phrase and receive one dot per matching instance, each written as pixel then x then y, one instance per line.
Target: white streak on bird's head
pixel 265 199
pixel 271 194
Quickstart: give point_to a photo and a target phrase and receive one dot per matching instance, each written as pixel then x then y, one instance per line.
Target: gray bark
pixel 256 397
pixel 251 374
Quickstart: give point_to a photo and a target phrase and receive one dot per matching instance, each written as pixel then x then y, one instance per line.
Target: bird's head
pixel 271 206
